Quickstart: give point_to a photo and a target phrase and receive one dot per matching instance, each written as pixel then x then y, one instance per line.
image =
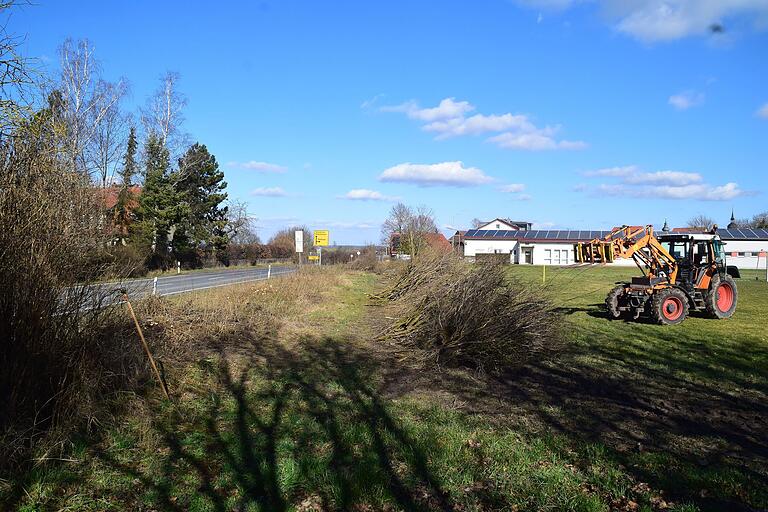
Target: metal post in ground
pixel 154 286
pixel 269 271
pixel 178 267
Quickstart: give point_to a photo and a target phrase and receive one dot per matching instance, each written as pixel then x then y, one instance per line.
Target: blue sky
pixel 570 114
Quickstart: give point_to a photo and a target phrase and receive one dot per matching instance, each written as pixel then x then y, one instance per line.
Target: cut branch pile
pixel 450 312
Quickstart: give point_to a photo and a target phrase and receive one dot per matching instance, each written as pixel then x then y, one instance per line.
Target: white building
pixel 745 248
pixel 531 247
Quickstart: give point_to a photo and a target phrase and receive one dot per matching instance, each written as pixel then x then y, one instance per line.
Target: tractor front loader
pixel 681 273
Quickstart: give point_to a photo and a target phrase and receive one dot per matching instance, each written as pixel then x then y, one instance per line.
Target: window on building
pixel 498 226
pixel 547 256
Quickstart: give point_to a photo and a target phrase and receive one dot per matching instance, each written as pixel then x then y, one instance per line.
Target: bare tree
pixel 421 222
pixel 409 226
pixel 476 223
pixel 87 99
pixel 760 220
pixel 16 79
pixel 701 221
pixel 241 227
pixel 164 113
pixel 396 223
pixel 108 143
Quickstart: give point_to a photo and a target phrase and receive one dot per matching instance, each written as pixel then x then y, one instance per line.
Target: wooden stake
pixel 146 347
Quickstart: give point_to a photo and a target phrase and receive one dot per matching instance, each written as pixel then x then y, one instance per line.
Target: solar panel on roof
pixel 509 234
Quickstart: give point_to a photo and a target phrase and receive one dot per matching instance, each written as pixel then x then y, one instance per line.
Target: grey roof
pixel 743 234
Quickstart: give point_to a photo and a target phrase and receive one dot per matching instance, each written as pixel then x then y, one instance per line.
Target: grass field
pixel 283 401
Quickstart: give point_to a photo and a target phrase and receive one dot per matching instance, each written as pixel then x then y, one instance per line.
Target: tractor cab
pixel 698 257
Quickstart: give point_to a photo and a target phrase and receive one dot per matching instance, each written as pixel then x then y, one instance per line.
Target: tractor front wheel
pixel 612 302
pixel 669 306
pixel 721 297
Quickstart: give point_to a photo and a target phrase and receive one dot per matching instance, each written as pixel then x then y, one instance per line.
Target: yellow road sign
pixel 321 237
pixel 313 257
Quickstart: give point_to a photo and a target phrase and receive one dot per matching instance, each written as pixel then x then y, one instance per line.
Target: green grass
pixel 629 416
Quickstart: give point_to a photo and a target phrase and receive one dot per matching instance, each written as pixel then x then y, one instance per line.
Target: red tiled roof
pixel 110 196
pixel 438 241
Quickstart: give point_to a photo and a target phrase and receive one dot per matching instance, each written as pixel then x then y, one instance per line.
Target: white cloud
pixel 452 174
pixel 515 131
pixel 534 141
pixel 513 188
pixel 269 192
pixel 446 109
pixel 673 178
pixel 371 102
pixel 661 184
pixel 763 111
pixel 364 194
pixel 614 171
pixel 667 20
pixel 253 165
pixel 701 192
pixel 516 189
pixel 686 100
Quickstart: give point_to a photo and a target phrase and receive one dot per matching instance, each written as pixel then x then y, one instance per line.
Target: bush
pixel 451 312
pixel 127 261
pixel 56 356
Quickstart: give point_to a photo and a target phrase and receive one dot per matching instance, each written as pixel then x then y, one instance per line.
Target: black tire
pixel 669 306
pixel 612 302
pixel 722 297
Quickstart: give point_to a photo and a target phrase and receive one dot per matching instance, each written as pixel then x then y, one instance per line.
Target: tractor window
pixel 719 251
pixel 700 255
pixel 678 250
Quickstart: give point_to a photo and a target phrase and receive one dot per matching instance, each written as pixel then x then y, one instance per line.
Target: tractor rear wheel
pixel 612 302
pixel 722 297
pixel 669 306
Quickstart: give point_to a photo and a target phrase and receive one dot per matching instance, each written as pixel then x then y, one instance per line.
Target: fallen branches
pixel 451 312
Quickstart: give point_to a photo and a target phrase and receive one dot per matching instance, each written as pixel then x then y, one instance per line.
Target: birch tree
pixel 87 99
pixel 163 114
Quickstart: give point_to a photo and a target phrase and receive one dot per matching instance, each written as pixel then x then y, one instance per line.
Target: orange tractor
pixel 682 272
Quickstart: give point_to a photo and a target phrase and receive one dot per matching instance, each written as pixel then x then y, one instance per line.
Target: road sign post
pixel 321 239
pixel 299 234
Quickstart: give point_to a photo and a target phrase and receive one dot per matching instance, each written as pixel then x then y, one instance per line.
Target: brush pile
pixel 452 313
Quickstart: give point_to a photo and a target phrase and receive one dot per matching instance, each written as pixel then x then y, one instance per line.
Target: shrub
pixel 451 312
pixel 56 356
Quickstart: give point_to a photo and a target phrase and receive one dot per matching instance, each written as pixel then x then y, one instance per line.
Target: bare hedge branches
pixel 455 313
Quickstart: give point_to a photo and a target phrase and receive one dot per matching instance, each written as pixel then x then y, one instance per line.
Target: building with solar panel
pixel 517 243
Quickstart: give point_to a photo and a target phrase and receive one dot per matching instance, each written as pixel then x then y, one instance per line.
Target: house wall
pixel 544 253
pixel 747 252
pixel 499 224
pixel 474 247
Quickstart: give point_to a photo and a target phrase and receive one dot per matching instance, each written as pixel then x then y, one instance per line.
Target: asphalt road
pixel 104 294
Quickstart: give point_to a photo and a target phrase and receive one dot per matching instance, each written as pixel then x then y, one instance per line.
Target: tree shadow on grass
pixel 703 407
pixel 280 427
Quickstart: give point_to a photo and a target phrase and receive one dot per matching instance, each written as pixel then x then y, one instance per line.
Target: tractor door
pixel 703 256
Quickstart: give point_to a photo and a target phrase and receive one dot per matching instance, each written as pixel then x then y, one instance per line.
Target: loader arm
pixel 635 242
